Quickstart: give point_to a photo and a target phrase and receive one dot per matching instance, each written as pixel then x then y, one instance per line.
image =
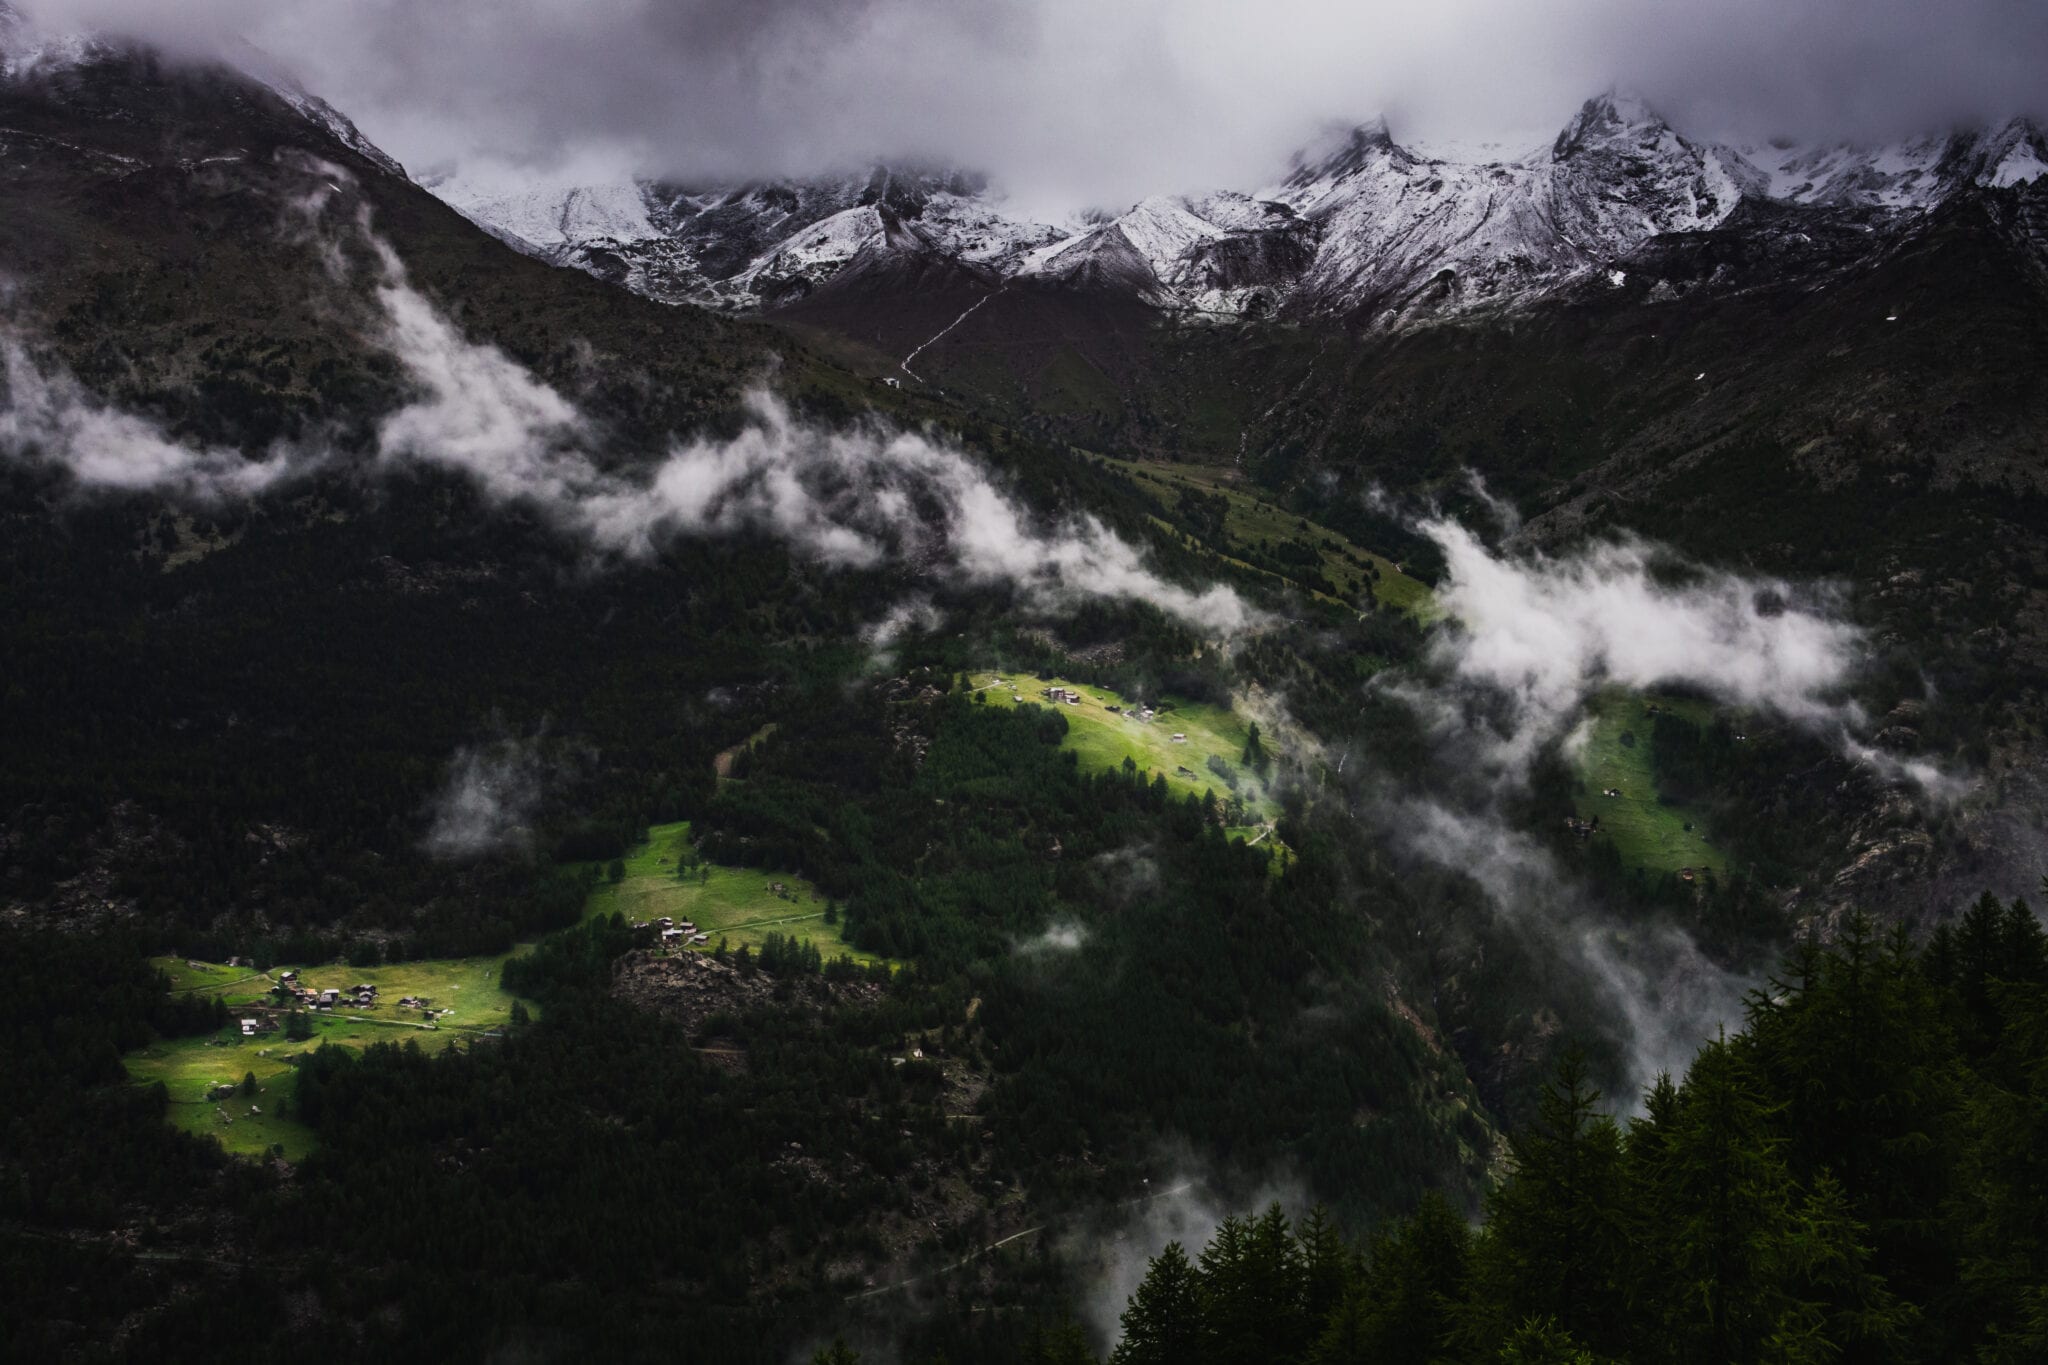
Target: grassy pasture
pixel 1104 738
pixel 468 986
pixel 189 1067
pixel 738 904
pixel 1646 834
pixel 1251 520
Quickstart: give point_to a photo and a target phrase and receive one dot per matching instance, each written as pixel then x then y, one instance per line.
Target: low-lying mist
pixel 1531 638
pixel 1546 633
pixel 46 414
pixel 860 497
pixel 1531 642
pixel 1662 995
pixel 487 802
pixel 853 498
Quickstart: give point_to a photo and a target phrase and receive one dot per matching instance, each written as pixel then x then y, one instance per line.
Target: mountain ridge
pixel 1361 227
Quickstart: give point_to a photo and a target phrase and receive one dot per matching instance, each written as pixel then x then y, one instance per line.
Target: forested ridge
pixel 1854 1175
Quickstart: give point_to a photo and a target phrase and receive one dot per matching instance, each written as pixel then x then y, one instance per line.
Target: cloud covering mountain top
pixel 1075 100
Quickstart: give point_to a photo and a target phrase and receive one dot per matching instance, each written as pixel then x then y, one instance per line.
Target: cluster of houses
pixel 262 1023
pixel 1057 693
pixel 1584 829
pixel 675 933
pixel 360 996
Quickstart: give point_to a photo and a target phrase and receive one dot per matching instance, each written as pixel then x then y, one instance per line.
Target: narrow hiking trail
pixel 976 1255
pixel 904 364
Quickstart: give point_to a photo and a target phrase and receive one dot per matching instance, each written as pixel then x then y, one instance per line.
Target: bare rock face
pixel 1890 851
pixel 1918 859
pixel 90 897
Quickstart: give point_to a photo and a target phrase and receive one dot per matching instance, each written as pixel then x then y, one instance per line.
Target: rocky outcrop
pixel 693 988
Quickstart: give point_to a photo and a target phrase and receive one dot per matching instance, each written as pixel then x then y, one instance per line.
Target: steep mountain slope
pixel 155 240
pixel 30 53
pixel 1821 388
pixel 226 722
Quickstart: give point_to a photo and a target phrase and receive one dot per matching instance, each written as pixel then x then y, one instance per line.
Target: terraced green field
pixel 1251 520
pixel 739 904
pixel 250 1125
pixel 1104 738
pixel 1617 756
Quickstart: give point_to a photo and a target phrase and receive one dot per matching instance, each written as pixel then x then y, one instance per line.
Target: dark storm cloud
pixel 1103 98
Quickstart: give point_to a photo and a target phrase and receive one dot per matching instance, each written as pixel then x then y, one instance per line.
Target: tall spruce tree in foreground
pixel 1854 1039
pixel 1325 1264
pixel 1252 1291
pixel 1401 1306
pixel 1555 1240
pixel 1162 1325
pixel 1725 1195
pixel 2005 1210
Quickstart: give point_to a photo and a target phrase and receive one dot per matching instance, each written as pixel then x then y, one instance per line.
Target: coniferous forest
pixel 1851 1176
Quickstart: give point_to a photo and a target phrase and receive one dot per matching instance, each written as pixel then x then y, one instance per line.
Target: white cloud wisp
pixel 1548 632
pixel 487 802
pixel 861 497
pixel 854 498
pixel 1545 634
pixel 47 415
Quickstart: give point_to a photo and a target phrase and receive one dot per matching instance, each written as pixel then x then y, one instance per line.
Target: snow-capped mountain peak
pixel 1608 121
pixel 552 215
pixel 31 51
pixel 1342 152
pixel 27 48
pixel 1362 224
pixel 1620 173
pixel 2015 153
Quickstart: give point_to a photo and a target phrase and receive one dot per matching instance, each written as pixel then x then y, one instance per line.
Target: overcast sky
pixel 1100 100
